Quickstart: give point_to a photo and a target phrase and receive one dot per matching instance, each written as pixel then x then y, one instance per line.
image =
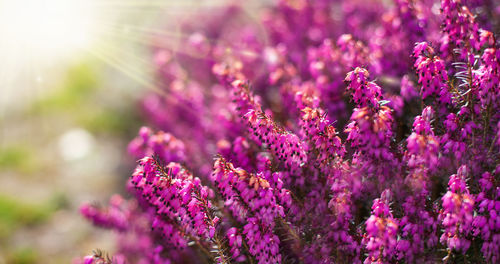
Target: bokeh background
pixel 72 73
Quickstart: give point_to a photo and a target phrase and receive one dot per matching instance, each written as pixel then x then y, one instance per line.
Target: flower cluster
pixel 285 145
pixel 98 257
pixel 381 232
pixel 423 146
pixel 457 212
pixel 256 196
pixel 461 30
pixel 162 144
pixel 431 73
pixel 178 199
pixel 137 241
pixel 418 225
pixel 370 130
pixel 318 132
pixel 111 217
pixel 486 224
pixel 322 137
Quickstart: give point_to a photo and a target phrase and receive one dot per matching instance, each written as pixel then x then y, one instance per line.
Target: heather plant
pixel 327 132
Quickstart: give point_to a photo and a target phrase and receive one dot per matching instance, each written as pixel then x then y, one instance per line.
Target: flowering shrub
pixel 329 132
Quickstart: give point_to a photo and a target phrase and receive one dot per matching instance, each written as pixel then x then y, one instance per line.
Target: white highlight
pixel 37 39
pixel 45 28
pixel 75 144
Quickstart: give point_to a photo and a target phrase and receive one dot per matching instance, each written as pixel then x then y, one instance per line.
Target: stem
pixel 447 258
pixel 200 246
pixel 487 122
pixel 235 223
pixel 196 241
pixel 289 229
pixel 250 257
pixel 469 100
pixel 493 143
pixel 218 242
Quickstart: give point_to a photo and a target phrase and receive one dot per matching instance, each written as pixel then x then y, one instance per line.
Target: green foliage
pixel 80 82
pixel 109 121
pixel 18 157
pixel 24 256
pixel 78 97
pixel 15 213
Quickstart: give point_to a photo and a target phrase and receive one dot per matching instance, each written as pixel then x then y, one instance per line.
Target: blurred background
pixel 71 75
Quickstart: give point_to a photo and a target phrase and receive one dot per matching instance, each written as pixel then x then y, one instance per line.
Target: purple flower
pixel 256 196
pixel 486 223
pixel 164 145
pixel 457 213
pixel 431 73
pixel 315 110
pixel 381 232
pixel 113 217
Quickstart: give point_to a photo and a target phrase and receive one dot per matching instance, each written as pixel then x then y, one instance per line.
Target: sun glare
pixel 45 28
pixel 37 39
pixel 40 38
